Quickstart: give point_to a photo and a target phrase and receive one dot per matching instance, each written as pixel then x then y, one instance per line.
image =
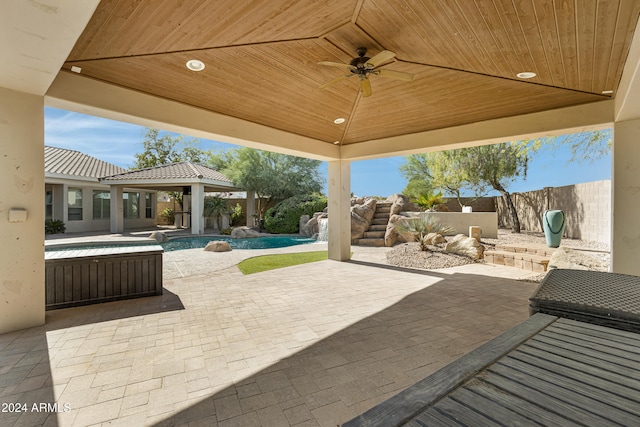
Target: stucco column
pixel 197 209
pixel 251 208
pixel 116 211
pixel 339 210
pixel 625 190
pixel 21 210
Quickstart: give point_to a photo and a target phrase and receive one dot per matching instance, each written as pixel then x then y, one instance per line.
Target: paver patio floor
pixel 309 345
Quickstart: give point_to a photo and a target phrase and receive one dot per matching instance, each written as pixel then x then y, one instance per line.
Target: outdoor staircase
pixel 526 257
pixel 374 236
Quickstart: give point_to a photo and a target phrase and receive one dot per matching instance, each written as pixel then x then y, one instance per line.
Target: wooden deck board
pixel 546 371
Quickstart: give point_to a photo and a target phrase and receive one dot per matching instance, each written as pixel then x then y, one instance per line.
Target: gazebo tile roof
pixel 182 170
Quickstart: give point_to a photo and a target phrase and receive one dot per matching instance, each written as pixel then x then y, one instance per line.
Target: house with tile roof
pixel 89 194
pixel 75 195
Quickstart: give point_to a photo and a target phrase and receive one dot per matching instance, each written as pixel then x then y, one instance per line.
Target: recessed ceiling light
pixel 526 75
pixel 336 143
pixel 76 69
pixel 607 92
pixel 195 65
pixel 339 121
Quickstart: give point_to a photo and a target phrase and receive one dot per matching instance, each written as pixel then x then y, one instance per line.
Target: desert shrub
pixel 226 232
pixel 419 228
pixel 54 226
pixel 284 217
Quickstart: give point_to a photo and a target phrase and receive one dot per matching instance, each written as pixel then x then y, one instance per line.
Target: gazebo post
pixel 197 208
pixel 116 211
pixel 251 208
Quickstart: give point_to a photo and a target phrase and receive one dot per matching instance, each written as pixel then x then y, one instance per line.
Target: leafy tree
pixel 437 170
pixel 476 169
pixel 164 149
pixel 584 146
pixel 272 176
pixel 497 166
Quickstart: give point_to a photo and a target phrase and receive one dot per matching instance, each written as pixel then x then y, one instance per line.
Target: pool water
pixel 254 243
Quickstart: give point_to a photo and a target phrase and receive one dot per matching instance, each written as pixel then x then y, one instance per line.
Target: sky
pixel 117 142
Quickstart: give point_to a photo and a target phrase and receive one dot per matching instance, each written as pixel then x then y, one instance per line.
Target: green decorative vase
pixel 553 224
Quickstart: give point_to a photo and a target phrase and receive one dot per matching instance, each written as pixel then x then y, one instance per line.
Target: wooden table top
pixel 546 371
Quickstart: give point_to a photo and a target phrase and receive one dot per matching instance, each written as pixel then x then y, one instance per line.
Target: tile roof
pixel 182 170
pixel 61 161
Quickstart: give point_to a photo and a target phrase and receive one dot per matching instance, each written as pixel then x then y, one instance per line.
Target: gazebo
pixel 192 179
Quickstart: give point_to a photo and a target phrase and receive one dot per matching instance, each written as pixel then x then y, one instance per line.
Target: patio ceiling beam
pixel 596 115
pixel 72 92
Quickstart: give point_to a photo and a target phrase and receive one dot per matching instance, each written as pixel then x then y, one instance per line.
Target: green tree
pixel 163 149
pixel 272 176
pixel 497 166
pixel 436 170
pixel 476 169
pixel 584 146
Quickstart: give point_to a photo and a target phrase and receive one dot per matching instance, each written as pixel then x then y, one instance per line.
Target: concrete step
pixel 384 208
pixel 381 215
pixel 371 242
pixel 378 227
pixel 379 221
pixel 374 234
pixel 542 250
pixel 522 260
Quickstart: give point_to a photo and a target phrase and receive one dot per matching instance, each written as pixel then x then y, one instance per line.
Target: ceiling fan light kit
pixel 363 66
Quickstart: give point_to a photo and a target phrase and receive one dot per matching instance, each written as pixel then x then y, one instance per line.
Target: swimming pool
pixel 254 243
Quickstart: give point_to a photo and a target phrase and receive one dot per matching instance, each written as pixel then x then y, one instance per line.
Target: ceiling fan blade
pixel 380 58
pixel 398 75
pixel 333 81
pixel 365 85
pixel 347 67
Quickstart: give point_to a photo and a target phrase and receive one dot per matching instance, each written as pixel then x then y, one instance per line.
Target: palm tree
pixel 215 207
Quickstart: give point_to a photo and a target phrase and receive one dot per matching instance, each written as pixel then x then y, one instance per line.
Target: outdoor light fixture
pixel 526 75
pixel 339 121
pixel 76 69
pixel 195 65
pixel 607 92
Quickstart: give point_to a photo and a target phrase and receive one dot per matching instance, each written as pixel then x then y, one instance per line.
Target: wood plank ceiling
pixel 261 58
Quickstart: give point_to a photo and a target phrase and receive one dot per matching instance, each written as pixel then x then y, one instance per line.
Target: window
pixel 131 205
pixel 101 204
pixel 48 204
pixel 74 200
pixel 148 207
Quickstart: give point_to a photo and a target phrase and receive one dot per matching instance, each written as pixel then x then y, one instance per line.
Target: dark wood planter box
pixel 80 277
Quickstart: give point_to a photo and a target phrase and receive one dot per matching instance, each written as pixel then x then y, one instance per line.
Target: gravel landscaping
pixel 410 255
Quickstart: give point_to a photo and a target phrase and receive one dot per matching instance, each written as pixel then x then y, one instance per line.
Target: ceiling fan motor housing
pixel 359 62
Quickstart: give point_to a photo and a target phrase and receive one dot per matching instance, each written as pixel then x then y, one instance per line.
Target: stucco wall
pixel 587 207
pixel 21 243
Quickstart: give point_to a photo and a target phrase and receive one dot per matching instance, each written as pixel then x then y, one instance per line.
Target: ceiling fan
pixel 362 66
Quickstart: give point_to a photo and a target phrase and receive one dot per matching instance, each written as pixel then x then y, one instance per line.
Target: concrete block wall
pixel 587 207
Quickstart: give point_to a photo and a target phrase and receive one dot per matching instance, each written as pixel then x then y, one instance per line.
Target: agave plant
pixel 421 227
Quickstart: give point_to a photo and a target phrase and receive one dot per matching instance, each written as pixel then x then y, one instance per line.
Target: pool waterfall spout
pixel 323 230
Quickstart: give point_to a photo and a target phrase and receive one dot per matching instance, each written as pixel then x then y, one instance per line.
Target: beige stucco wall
pixel 21 243
pixel 625 250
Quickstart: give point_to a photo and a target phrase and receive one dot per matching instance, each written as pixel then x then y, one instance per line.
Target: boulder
pixel 159 237
pixel 304 219
pixel 401 203
pixel 434 239
pixel 361 216
pixel 575 260
pixel 217 246
pixel 244 233
pixel 391 235
pixel 464 245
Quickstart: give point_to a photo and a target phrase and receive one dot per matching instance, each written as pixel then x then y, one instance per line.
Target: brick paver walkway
pixel 310 345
